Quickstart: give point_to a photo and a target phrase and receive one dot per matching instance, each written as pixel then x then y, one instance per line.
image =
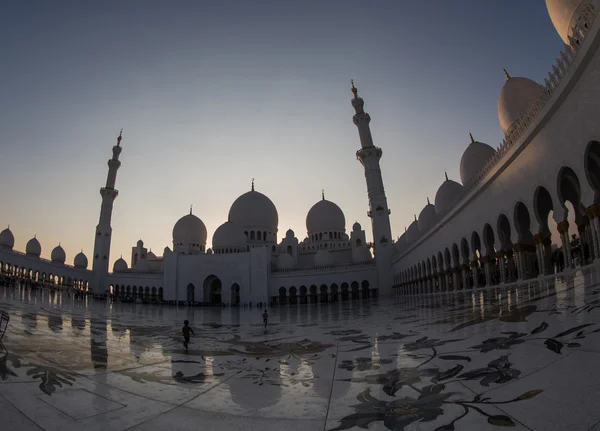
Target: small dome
pixel 515 98
pixel 401 243
pixel 80 261
pixel 356 227
pixel 140 243
pixel 142 265
pixel 253 210
pixel 285 261
pixel 323 258
pixel 345 237
pixel 190 230
pixel 120 265
pixel 7 239
pixel 33 247
pixel 564 14
pixel 426 217
pixel 325 216
pixel 412 234
pixel 447 194
pixel 209 251
pixel 473 160
pixel 58 255
pixel 229 236
pixel 290 234
pixel 151 256
pixel 361 254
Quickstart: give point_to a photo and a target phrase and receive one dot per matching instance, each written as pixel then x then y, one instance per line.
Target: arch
pixel 288 250
pixel 569 189
pixel 191 292
pixel 488 239
pixel 323 293
pixel 303 295
pixel 447 258
pixel 313 294
pixel 282 295
pixel 522 223
pixel 334 289
pixel 160 294
pixel 293 295
pixel 235 294
pixel 252 237
pixel 345 291
pixel 365 289
pixel 354 286
pixel 464 249
pixel 212 290
pixel 542 205
pixel 592 167
pixel 475 244
pixel 504 232
pixel 455 255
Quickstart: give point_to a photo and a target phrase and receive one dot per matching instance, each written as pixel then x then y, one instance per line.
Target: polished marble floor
pixel 525 357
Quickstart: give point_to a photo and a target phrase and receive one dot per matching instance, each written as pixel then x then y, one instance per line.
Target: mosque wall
pixel 41 267
pixel 555 146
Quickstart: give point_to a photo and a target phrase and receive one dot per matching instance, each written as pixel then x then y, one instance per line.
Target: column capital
pixel 592 211
pixel 563 227
pixel 538 238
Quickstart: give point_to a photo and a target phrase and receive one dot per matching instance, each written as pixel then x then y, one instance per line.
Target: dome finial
pixel 120 137
pixel 191 206
pixel 446 174
pixel 428 203
pixel 471 136
pixel 323 194
pixel 415 217
pixel 252 184
pixel 354 89
pixel 506 74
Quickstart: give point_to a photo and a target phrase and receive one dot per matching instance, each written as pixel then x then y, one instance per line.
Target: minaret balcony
pixel 363 153
pixel 104 191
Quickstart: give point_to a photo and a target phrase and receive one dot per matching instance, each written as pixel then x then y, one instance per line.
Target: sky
pixel 213 94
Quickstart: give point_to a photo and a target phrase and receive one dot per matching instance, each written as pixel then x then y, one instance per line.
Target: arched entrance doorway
pixel 212 290
pixel 235 294
pixel 190 292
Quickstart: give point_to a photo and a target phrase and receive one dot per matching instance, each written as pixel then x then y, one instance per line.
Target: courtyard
pixel 522 356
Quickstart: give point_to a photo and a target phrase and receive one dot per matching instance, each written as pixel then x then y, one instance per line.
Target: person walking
pixel 265 317
pixel 186 333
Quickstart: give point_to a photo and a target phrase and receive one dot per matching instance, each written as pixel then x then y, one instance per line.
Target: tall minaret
pixel 369 155
pixel 104 230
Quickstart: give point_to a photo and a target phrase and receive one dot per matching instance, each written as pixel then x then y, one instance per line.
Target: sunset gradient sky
pixel 212 94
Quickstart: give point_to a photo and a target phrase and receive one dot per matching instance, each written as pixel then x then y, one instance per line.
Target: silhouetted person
pixel 186 333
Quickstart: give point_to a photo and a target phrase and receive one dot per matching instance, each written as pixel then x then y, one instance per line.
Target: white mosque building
pixel 491 228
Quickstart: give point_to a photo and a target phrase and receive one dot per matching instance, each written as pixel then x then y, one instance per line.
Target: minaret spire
pixel 103 229
pixel 369 156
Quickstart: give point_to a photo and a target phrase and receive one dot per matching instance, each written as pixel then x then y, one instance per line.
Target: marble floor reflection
pixel 524 356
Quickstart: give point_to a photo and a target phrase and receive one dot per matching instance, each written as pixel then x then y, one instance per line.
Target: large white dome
pixel 323 258
pixel 80 261
pixel 447 194
pixel 7 239
pixel 190 230
pixel 412 234
pixel 361 254
pixel 229 236
pixel 516 96
pixel 120 265
pixel 426 217
pixel 473 160
pixel 254 211
pixel 33 247
pixel 58 255
pixel 325 216
pixel 564 13
pixel 284 261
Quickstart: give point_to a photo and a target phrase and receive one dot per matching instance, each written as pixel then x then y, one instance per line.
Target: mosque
pixel 493 227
